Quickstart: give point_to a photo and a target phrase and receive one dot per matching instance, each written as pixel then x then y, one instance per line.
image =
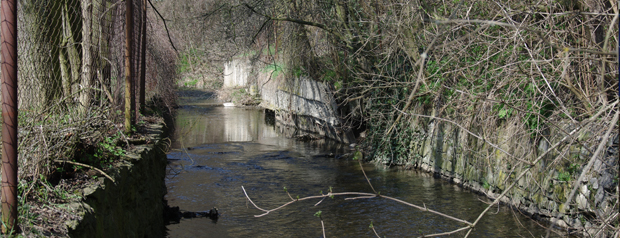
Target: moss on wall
pixel 132 206
pixel 447 150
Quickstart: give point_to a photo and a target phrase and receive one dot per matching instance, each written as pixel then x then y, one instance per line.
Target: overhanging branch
pixel 301 22
pixel 165 26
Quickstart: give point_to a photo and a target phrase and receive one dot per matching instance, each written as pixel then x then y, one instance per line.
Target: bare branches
pixel 359 196
pixel 87 166
pixel 524 172
pixel 538 32
pixel 297 21
pixel 506 83
pixel 597 153
pixel 359 160
pixel 166 26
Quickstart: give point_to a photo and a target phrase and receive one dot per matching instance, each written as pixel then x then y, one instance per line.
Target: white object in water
pixel 229 104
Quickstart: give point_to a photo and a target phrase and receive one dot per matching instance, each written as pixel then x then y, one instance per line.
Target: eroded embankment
pixel 132 205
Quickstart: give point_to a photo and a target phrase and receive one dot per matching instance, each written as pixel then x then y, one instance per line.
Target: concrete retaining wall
pixel 302 103
pixel 132 206
pixel 307 105
pixel 236 73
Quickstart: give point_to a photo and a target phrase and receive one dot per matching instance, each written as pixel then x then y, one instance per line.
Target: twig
pixel 449 232
pixel 364 172
pixel 586 169
pixel 320 201
pixel 301 22
pixel 610 53
pixel 420 77
pixel 415 87
pixel 87 166
pixel 520 176
pixel 165 26
pixel 123 134
pixel 289 195
pixel 373 229
pixel 323 227
pixel 367 195
pixel 428 210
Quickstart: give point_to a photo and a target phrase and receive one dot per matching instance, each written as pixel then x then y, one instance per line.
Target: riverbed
pixel 216 150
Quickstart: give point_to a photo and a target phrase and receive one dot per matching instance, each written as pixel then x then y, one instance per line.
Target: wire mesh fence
pixel 71 75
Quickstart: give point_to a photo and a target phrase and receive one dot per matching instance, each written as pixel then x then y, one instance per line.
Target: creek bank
pixel 132 205
pixel 450 152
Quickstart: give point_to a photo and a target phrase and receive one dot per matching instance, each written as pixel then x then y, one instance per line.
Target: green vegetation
pixel 191 83
pixel 486 185
pixel 499 84
pixel 107 150
pixel 188 60
pixel 275 69
pixel 564 176
pixel 571 171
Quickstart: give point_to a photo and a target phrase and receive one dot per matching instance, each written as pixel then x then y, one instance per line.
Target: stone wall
pixel 133 205
pixel 451 152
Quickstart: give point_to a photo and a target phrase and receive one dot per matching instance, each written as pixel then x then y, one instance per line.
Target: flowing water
pixel 217 150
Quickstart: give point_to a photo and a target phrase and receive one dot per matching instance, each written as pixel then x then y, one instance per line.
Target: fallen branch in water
pixel 361 196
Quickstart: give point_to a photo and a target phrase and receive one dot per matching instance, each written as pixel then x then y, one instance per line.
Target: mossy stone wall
pixel 451 152
pixel 132 206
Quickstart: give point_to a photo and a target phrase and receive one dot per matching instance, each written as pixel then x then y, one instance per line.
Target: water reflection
pixel 234 147
pixel 197 126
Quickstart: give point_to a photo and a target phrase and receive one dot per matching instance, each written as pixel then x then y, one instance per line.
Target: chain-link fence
pixel 71 76
pixel 75 58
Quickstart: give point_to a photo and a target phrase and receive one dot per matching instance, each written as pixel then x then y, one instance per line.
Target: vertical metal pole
pixel 143 57
pixel 136 57
pixel 8 49
pixel 130 105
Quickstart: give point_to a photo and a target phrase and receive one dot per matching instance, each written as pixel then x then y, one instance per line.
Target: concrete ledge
pixel 132 206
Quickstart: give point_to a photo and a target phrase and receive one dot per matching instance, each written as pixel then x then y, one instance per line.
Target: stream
pixel 216 150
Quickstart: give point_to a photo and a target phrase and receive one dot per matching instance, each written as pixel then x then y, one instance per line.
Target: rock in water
pixel 214 213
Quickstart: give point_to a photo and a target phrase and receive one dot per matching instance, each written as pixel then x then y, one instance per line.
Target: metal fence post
pixel 8 49
pixel 143 58
pixel 130 99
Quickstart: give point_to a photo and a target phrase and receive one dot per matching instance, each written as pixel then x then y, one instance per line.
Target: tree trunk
pixel 70 61
pixel 87 60
pixel 41 80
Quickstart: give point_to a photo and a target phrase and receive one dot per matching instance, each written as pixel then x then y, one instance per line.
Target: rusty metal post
pixel 8 49
pixel 130 99
pixel 143 58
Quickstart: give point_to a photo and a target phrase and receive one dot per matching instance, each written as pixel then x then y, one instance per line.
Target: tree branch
pixel 302 22
pixel 166 26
